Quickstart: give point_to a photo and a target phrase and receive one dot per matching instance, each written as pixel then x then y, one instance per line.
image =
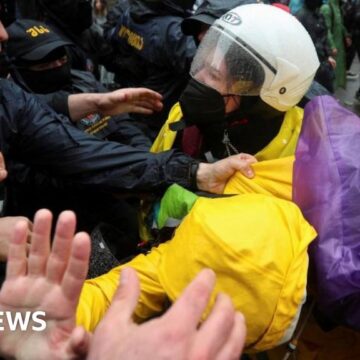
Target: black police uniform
pixel 153 52
pixel 45 151
pixel 31 133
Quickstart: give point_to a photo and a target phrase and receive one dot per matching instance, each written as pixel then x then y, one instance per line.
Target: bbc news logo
pixel 22 321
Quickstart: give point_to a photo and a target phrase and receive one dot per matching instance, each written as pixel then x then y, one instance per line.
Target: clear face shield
pixel 223 64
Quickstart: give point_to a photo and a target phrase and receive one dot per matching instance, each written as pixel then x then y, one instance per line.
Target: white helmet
pixel 261 50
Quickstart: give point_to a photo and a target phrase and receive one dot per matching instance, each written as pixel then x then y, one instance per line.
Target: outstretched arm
pixel 49 281
pixel 129 100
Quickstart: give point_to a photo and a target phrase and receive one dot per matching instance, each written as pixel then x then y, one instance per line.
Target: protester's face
pixel 213 75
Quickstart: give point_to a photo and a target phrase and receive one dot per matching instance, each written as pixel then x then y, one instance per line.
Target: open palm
pixel 130 100
pixel 47 281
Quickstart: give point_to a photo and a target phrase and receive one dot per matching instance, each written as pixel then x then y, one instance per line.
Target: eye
pixel 214 74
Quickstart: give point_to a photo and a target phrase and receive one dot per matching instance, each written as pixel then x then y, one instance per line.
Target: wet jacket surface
pixel 31 133
pixel 154 53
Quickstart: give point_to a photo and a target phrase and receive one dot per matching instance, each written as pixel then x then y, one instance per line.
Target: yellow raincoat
pixel 282 145
pixel 255 243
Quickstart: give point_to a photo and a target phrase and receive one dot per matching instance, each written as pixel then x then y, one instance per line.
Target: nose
pixel 3 34
pixel 59 62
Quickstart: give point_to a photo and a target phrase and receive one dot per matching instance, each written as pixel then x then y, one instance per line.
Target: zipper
pixel 230 148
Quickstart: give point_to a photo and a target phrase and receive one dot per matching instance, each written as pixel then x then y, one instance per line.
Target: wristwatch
pixel 193 168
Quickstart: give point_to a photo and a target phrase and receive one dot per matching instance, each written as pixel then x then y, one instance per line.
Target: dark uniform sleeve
pixel 57 101
pixel 33 134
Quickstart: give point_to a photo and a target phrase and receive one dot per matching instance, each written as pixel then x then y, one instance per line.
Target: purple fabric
pixel 326 187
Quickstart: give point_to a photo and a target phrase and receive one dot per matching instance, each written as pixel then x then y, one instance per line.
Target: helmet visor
pixel 222 63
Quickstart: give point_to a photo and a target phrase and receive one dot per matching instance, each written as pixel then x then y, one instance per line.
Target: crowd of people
pixel 160 124
pixel 334 27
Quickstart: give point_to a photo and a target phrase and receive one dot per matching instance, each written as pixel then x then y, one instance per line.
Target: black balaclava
pixel 47 81
pixel 44 81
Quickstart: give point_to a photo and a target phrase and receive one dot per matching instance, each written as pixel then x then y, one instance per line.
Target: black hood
pixel 74 16
pixel 140 10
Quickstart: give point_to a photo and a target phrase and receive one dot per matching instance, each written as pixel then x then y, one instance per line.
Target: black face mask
pixel 201 105
pixel 47 81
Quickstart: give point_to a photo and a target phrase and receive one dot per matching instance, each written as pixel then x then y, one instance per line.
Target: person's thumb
pixel 126 298
pixel 79 342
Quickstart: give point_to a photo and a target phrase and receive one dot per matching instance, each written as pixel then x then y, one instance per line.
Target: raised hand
pixel 49 281
pixel 175 335
pixel 130 100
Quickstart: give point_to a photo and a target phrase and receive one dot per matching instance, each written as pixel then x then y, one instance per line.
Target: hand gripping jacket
pixel 219 233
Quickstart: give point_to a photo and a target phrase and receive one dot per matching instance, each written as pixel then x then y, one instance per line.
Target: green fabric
pixel 175 204
pixel 336 37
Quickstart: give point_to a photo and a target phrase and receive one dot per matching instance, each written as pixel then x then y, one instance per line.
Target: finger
pixel 140 110
pixel 145 103
pixel 17 261
pixel 3 172
pixel 147 107
pixel 2 161
pixel 60 252
pixel 152 105
pixel 187 310
pixel 134 94
pixel 40 243
pixel 145 93
pixel 215 331
pixel 236 341
pixel 79 343
pixel 247 157
pixel 30 224
pixel 125 299
pixel 243 166
pixel 77 267
pixel 247 170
